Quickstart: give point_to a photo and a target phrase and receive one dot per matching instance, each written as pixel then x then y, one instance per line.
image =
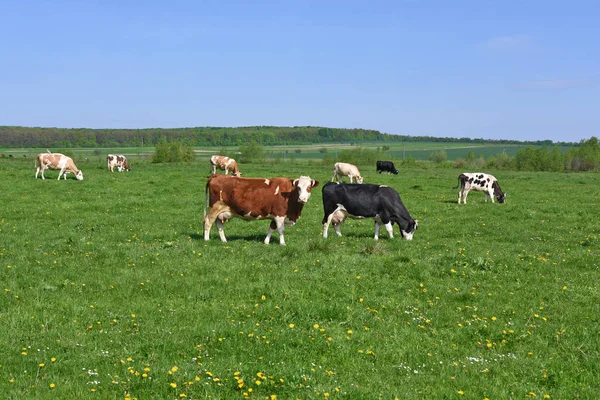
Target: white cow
pixel 58 161
pixel 341 169
pixel 479 181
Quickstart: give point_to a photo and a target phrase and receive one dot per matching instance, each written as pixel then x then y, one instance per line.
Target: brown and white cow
pixel 119 161
pixel 225 163
pixel 482 182
pixel 57 161
pixel 341 169
pixel 279 199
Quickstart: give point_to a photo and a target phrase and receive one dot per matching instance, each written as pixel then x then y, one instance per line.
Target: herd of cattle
pixel 281 200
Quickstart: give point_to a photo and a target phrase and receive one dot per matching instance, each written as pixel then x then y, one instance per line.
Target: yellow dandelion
pixel 173 385
pixel 316 326
pixel 461 392
pixel 42 365
pixel 292 326
pixel 52 386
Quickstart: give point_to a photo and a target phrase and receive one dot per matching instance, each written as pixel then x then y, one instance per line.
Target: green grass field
pixel 110 292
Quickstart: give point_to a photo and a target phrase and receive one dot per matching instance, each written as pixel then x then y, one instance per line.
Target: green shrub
pixel 172 152
pixel 438 157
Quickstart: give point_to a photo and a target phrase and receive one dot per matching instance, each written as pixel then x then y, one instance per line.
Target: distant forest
pixel 24 137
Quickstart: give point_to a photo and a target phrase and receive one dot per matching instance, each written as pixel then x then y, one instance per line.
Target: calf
pixel 341 169
pixel 382 203
pixel 481 182
pixel 58 161
pixel 225 163
pixel 386 166
pixel 119 161
pixel 279 199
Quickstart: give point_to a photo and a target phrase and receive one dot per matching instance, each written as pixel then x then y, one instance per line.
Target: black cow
pixel 382 203
pixel 386 166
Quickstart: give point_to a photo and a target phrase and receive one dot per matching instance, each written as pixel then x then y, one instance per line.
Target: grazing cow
pixel 226 163
pixel 58 161
pixel 386 166
pixel 482 182
pixel 119 161
pixel 279 199
pixel 341 169
pixel 382 203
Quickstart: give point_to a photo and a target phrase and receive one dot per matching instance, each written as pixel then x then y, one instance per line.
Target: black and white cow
pixel 382 203
pixel 482 182
pixel 386 166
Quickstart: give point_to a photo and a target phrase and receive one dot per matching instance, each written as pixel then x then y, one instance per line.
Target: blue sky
pixel 525 70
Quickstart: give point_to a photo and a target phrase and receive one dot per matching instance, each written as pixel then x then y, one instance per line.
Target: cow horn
pixel 295 182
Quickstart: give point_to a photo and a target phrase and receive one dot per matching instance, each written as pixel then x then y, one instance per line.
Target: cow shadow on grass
pixel 214 237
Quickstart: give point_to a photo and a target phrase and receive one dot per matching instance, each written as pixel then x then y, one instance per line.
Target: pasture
pixel 109 291
pixel 301 153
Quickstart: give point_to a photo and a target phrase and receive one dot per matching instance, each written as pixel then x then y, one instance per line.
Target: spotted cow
pixel 224 163
pixel 119 161
pixel 341 169
pixel 382 203
pixel 280 200
pixel 56 161
pixel 481 182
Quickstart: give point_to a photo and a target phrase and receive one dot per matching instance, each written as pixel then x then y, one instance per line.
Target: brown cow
pixel 279 199
pixel 119 161
pixel 226 163
pixel 58 161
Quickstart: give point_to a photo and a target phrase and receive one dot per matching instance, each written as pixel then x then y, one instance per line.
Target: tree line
pixel 25 137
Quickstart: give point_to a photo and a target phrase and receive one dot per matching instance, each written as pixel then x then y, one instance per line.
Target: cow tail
pixel 459 182
pixel 206 198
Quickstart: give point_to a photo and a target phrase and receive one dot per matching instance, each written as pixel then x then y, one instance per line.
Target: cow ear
pixel 295 182
pixel 315 183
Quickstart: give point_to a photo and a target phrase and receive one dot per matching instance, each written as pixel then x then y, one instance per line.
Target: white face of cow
pixel 79 176
pixel 304 185
pixel 409 235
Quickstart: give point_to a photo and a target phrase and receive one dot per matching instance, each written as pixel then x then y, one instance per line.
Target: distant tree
pixel 470 156
pixel 172 152
pixel 251 153
pixel 438 157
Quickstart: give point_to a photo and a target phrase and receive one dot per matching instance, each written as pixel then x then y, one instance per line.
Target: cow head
pixel 78 175
pixel 359 179
pixel 412 227
pixel 304 185
pixel 238 174
pixel 501 197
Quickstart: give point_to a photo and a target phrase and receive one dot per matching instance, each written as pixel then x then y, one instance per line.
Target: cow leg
pixel 326 225
pixel 390 229
pixel 221 231
pixel 209 220
pixel 277 223
pixel 377 227
pixel 37 170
